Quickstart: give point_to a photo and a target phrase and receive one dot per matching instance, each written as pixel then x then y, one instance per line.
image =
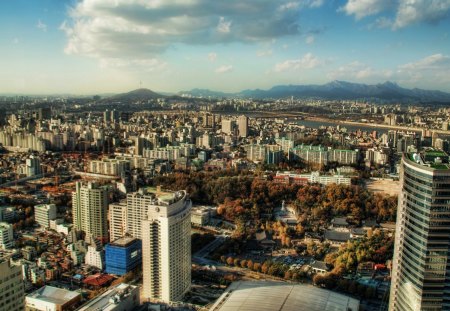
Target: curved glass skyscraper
pixel 421 270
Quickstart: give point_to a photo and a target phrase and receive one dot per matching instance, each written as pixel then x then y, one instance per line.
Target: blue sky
pixel 97 46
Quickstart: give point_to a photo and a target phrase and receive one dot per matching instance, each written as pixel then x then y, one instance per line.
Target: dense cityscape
pixel 175 204
pixel 239 155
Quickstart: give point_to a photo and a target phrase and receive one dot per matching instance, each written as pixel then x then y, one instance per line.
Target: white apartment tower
pixel 89 209
pixel 166 247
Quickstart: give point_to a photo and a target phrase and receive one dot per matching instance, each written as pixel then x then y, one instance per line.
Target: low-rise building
pixel 123 255
pixel 49 298
pixel 44 213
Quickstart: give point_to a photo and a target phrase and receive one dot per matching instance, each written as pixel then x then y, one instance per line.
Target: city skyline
pixel 89 46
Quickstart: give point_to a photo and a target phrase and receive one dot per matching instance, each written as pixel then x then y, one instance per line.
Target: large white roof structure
pixel 273 296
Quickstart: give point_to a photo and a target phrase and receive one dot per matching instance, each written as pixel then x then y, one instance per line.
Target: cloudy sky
pixel 96 46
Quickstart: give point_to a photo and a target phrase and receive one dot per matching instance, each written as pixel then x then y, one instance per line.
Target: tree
pixel 243 263
pixel 236 262
pixel 230 261
pixel 257 267
pixel 287 275
pixel 265 267
pixel 250 264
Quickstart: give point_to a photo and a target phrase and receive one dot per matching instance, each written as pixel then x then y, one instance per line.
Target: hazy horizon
pixel 88 47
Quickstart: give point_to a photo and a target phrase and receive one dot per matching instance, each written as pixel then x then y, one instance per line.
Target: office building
pixel 166 247
pixel 421 274
pixel 89 209
pixel 11 287
pixel 243 126
pixel 49 298
pixel 123 255
pixel 43 213
pixel 122 297
pixel 6 236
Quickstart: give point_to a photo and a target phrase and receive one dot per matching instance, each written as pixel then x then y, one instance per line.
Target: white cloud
pixel 264 53
pixel 432 62
pixel 292 5
pixel 138 29
pixel 308 61
pixel 359 71
pixel 40 25
pixel 363 8
pixel 415 11
pixel 212 57
pixel 406 12
pixel 224 25
pixel 224 69
pixel 149 65
pixel 310 39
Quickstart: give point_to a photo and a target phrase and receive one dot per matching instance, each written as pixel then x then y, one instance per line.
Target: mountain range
pixel 388 91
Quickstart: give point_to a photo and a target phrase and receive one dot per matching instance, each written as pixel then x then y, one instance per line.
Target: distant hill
pixel 335 90
pixel 136 95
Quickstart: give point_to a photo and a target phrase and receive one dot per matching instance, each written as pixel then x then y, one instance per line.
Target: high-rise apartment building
pixel 227 126
pixel 11 287
pixel 166 247
pixel 89 209
pixel 421 270
pixel 243 126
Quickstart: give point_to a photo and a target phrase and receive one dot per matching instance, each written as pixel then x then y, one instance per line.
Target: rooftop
pixel 110 299
pixel 273 296
pixel 54 295
pixel 124 241
pixel 435 159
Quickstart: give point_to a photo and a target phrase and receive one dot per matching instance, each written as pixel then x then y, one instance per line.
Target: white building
pixel 166 247
pixel 11 287
pixel 49 298
pixel 6 235
pixel 201 215
pixel 122 297
pixel 89 209
pixel 43 213
pixel 95 258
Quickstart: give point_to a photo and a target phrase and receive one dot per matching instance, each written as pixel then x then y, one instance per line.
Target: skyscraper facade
pixel 243 126
pixel 166 247
pixel 421 270
pixel 11 287
pixel 89 209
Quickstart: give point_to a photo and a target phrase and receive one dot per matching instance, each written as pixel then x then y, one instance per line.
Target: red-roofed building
pixel 98 280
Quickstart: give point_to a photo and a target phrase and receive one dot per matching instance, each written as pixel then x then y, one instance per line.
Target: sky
pixel 112 46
